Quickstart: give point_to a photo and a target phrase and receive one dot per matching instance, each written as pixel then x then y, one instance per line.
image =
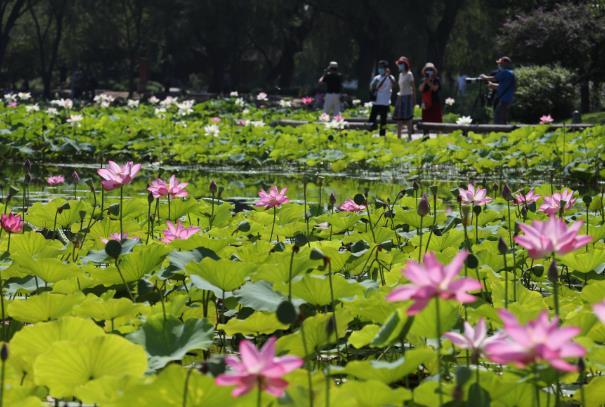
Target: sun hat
pixel 403 60
pixel 333 64
pixel 429 65
pixel 504 60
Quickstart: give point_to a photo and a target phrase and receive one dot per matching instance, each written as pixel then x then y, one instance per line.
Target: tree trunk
pixel 438 38
pixel 585 96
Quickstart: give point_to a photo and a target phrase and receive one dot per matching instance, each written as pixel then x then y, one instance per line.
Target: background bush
pixel 543 90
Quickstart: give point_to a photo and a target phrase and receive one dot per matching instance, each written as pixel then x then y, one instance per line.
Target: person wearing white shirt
pixel 406 97
pixel 381 88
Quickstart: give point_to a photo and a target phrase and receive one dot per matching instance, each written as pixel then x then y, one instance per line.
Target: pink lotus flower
pixel 215 120
pixel 55 180
pixel 350 206
pixel 307 100
pixel 11 223
pixel 116 176
pixel 542 239
pixel 526 199
pixel 552 204
pixel 178 232
pixel 546 119
pixel 273 199
pixel 258 367
pixel 472 196
pixel 118 237
pixel 474 339
pixel 541 340
pixel 338 118
pixel 599 310
pixel 433 279
pixel 172 189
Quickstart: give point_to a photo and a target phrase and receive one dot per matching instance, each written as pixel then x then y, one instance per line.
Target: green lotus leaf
pixel 49 270
pixel 369 393
pixel 169 339
pixel 224 274
pixel 259 296
pixel 316 335
pixel 35 246
pixel 425 323
pixel 373 306
pixel 43 307
pixel 583 262
pixel 43 214
pixel 364 336
pixel 101 309
pixel 33 340
pixel 259 323
pixel 68 365
pixel 315 288
pixel 168 390
pixel 142 261
pixel 389 372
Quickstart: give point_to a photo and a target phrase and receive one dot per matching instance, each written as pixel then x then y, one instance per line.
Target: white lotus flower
pixel 160 112
pixel 63 103
pixel 104 100
pixel 32 108
pixel 234 94
pixel 75 119
pixel 356 102
pixel 257 123
pixel 245 111
pixel 132 103
pixel 450 101
pixel 52 111
pixel 368 105
pixel 324 117
pixel 185 107
pixel 239 102
pixel 464 121
pixel 262 96
pixel 153 100
pixel 169 101
pixel 24 95
pixel 10 98
pixel 285 103
pixel 212 130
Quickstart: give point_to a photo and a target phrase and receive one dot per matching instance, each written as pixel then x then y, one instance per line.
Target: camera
pixel 473 80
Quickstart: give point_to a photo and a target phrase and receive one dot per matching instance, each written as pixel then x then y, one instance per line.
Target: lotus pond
pixel 248 265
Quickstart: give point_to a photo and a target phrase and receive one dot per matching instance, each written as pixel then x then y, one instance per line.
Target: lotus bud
pixel 507 193
pixel 295 248
pixel 332 201
pixel 502 247
pixel 4 352
pixel 149 198
pixel 75 176
pixel 213 188
pixel 553 272
pixel 476 209
pixel 27 165
pixel 587 200
pixel 423 208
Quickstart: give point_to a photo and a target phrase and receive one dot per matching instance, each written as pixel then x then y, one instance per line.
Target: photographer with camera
pixel 333 82
pixel 504 83
pixel 429 88
pixel 381 88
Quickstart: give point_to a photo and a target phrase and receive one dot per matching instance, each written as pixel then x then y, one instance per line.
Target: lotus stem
pixel 420 245
pixel 273 224
pixel 309 377
pixel 211 220
pixel 169 217
pixel 505 281
pixel 124 281
pixel 259 392
pixel 121 211
pixel 370 221
pixel 438 319
pixel 185 387
pixel 290 276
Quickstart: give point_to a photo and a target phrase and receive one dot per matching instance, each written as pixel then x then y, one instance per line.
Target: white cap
pixel 333 64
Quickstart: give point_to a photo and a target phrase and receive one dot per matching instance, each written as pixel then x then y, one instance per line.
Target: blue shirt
pixel 506 85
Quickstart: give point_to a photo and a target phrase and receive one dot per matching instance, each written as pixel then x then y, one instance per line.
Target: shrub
pixel 543 90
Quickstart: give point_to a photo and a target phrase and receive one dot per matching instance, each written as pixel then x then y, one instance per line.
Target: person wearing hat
pixel 333 82
pixel 381 88
pixel 429 88
pixel 406 97
pixel 504 83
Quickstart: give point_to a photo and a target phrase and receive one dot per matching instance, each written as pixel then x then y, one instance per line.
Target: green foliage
pixel 543 90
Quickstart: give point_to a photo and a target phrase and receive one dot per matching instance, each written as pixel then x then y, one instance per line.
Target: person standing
pixel 429 88
pixel 406 97
pixel 381 88
pixel 333 82
pixel 504 83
